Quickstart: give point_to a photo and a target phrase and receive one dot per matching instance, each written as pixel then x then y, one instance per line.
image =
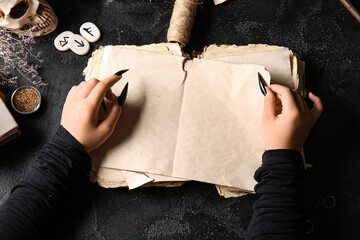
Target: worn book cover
pixel 189 119
pixel 9 129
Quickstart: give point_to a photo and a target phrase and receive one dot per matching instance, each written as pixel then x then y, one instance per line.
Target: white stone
pixel 79 45
pixel 90 31
pixel 61 42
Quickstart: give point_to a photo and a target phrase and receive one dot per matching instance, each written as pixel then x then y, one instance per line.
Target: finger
pixel 76 88
pixel 72 90
pixel 71 93
pixel 107 126
pixel 300 101
pixel 305 106
pixel 98 92
pixel 286 96
pixel 87 87
pixel 110 95
pixel 80 85
pixel 277 99
pixel 269 104
pixel 318 107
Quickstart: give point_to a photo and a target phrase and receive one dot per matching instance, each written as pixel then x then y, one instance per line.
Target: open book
pixel 188 119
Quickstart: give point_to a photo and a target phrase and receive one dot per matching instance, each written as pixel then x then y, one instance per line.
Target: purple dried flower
pixel 15 51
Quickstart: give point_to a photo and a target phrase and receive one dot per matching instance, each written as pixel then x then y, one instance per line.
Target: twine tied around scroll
pixel 182 20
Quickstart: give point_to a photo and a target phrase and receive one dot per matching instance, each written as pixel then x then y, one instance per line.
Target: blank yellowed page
pixel 219 139
pixel 145 136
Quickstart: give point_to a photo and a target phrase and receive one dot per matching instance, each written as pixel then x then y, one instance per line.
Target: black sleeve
pixel 279 210
pixel 60 168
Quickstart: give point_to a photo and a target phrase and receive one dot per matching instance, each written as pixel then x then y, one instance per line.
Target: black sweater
pixel 279 210
pixel 62 168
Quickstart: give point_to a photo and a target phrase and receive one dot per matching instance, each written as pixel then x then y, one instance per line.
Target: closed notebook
pixel 9 129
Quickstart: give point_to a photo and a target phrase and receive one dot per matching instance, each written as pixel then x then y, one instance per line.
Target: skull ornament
pixel 36 15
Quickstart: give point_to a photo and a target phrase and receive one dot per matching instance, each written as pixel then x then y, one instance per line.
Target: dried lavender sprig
pixel 25 43
pixel 7 81
pixel 15 53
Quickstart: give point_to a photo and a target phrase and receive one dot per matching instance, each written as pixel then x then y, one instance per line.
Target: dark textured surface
pixel 322 32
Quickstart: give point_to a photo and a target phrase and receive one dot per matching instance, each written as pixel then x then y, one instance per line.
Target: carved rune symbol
pixel 64 42
pixel 80 44
pixel 88 30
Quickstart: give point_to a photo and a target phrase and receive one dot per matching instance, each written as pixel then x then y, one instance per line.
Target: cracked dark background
pixel 324 34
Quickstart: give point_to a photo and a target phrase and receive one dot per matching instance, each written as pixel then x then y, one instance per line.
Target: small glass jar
pixel 26 100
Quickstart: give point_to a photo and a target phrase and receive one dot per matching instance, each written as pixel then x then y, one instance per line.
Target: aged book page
pixel 107 177
pixel 281 59
pixel 285 67
pixel 219 139
pixel 145 137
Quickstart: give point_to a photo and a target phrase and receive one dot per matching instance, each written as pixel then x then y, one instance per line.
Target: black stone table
pixel 324 34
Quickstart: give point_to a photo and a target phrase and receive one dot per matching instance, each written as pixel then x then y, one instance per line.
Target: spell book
pixel 189 119
pixel 9 129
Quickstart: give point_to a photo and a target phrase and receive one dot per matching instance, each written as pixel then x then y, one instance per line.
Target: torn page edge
pixel 217 2
pixel 232 50
pixel 105 180
pixel 298 73
pixel 113 178
pixel 119 181
pixel 93 67
pixel 228 192
pixel 135 180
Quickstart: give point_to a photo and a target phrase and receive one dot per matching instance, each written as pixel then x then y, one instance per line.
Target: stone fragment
pixel 61 42
pixel 90 31
pixel 79 45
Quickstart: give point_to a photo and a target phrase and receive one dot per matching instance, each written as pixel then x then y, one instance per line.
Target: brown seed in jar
pixel 26 100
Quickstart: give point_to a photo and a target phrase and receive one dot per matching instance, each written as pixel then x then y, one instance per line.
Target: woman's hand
pixel 80 115
pixel 289 128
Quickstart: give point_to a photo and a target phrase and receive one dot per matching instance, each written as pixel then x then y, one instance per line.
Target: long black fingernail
pixel 119 73
pixel 261 84
pixel 307 99
pixel 307 93
pixel 103 105
pixel 122 98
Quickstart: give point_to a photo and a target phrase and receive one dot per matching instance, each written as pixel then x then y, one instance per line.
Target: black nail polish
pixel 119 73
pixel 261 84
pixel 307 99
pixel 103 105
pixel 122 97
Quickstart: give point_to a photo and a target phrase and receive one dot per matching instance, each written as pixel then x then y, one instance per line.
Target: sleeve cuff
pixel 64 141
pixel 65 137
pixel 282 157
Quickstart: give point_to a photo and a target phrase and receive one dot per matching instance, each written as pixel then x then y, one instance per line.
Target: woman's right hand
pixel 80 116
pixel 289 128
